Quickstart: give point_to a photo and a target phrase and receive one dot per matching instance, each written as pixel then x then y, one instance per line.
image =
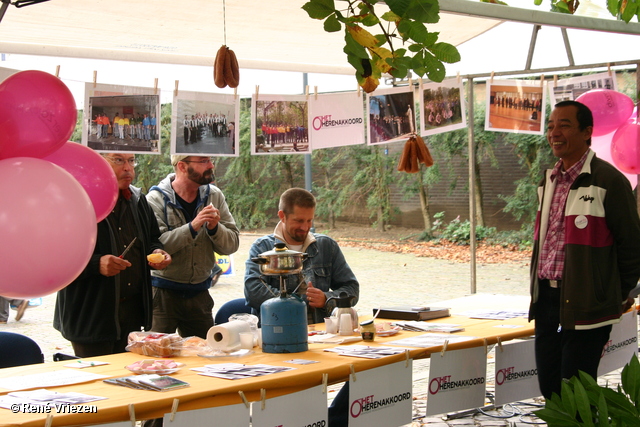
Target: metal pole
pixel 308 183
pixel 472 187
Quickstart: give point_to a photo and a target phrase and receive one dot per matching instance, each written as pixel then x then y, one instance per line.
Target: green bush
pixel 459 232
pixel 582 402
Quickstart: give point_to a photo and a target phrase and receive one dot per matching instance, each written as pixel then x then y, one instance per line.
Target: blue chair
pixel 18 350
pixel 234 306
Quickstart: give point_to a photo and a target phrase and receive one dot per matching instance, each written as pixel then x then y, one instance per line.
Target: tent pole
pixel 472 187
pixel 532 46
pixel 567 46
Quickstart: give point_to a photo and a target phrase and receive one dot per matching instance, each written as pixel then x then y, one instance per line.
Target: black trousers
pixel 561 353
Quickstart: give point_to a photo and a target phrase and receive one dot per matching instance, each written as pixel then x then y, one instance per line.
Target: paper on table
pixel 49 379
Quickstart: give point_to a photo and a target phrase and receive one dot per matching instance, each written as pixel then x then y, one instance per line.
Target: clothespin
pixel 315 93
pixel 500 344
pixel 444 348
pixel 406 358
pixel 244 399
pixel 555 80
pixel 175 90
pixel 95 78
pixel 491 81
pixel 132 415
pixel 235 92
pixel 486 346
pixel 458 77
pixel 155 86
pixel 358 91
pixel 306 92
pixel 541 80
pixel 609 68
pixel 57 71
pixel 174 407
pixel 325 382
pixel 49 420
pixel 353 372
pixel 263 398
pixel 257 90
pixel 420 84
pixel 410 82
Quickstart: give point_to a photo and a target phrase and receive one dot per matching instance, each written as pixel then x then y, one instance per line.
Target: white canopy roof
pixel 265 34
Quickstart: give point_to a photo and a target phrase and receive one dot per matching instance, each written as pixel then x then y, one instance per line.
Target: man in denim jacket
pixel 325 270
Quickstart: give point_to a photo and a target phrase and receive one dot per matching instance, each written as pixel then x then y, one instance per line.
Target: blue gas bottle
pixel 284 324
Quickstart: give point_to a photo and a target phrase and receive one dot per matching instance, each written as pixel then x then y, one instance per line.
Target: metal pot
pixel 281 260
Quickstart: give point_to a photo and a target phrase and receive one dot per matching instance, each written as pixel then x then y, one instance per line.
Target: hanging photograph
pixel 280 124
pixel 337 119
pixel 571 88
pixel 515 106
pixel 121 118
pixel 391 115
pixel 205 124
pixel 443 107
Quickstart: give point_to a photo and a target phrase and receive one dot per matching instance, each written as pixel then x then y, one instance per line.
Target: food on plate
pixel 154 366
pixel 154 344
pixel 155 258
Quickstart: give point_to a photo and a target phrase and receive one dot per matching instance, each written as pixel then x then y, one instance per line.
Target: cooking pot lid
pixel 280 249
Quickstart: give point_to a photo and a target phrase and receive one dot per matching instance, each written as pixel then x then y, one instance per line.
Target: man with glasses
pixel 195 223
pixel 112 296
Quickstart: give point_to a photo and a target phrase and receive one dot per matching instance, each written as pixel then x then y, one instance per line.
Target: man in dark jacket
pixel 112 296
pixel 586 254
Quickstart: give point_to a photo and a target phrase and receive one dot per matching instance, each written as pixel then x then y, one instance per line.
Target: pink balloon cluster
pixel 53 191
pixel 615 129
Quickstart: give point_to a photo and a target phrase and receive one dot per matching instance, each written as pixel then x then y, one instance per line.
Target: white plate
pixel 388 332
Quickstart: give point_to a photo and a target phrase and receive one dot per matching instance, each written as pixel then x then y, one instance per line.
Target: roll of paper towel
pixel 226 336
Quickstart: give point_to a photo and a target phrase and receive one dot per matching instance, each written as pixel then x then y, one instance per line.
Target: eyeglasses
pixel 202 162
pixel 119 161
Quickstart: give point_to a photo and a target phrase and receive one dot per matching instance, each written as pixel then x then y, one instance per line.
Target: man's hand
pixel 162 264
pixel 316 297
pixel 209 216
pixel 626 305
pixel 110 265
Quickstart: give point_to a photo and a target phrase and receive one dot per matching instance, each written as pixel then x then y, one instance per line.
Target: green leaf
pixel 582 403
pixel 415 47
pixel 445 52
pixel 629 12
pixel 537 2
pixel 568 398
pixel 603 411
pixel 612 7
pixel 370 20
pixel 555 418
pixel 331 24
pixel 354 48
pixel 418 10
pixel 417 32
pixel 435 69
pixel 356 63
pixel 319 9
pixel 390 17
pixel 630 378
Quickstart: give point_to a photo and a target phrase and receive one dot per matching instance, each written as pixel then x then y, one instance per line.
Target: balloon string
pixel 224 21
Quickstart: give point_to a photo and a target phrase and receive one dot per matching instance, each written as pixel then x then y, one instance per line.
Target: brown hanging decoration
pixel 415 151
pixel 226 71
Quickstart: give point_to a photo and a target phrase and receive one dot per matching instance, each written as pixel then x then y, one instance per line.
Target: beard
pixel 203 178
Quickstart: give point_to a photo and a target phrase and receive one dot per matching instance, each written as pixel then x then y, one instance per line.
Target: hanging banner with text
pixel 233 415
pixel 457 380
pixel 336 120
pixel 304 408
pixel 622 344
pixel 381 396
pixel 516 374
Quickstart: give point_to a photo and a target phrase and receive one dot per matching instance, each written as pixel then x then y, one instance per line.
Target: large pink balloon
pixel 610 109
pixel 625 148
pixel 37 114
pixel 47 228
pixel 602 146
pixel 92 171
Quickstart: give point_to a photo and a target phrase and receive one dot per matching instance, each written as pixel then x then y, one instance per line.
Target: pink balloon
pixel 602 146
pixel 610 109
pixel 47 228
pixel 37 114
pixel 92 171
pixel 625 148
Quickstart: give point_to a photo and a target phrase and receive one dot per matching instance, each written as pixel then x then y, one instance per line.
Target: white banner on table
pixel 231 415
pixel 457 380
pixel 381 396
pixel 516 374
pixel 304 408
pixel 336 120
pixel 622 344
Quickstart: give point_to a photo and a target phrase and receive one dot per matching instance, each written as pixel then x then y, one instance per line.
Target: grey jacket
pixel 193 257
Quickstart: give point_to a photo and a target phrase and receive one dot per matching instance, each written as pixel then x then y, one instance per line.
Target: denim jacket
pixel 325 266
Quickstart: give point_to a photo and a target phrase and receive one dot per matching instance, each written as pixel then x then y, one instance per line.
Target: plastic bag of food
pixel 154 344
